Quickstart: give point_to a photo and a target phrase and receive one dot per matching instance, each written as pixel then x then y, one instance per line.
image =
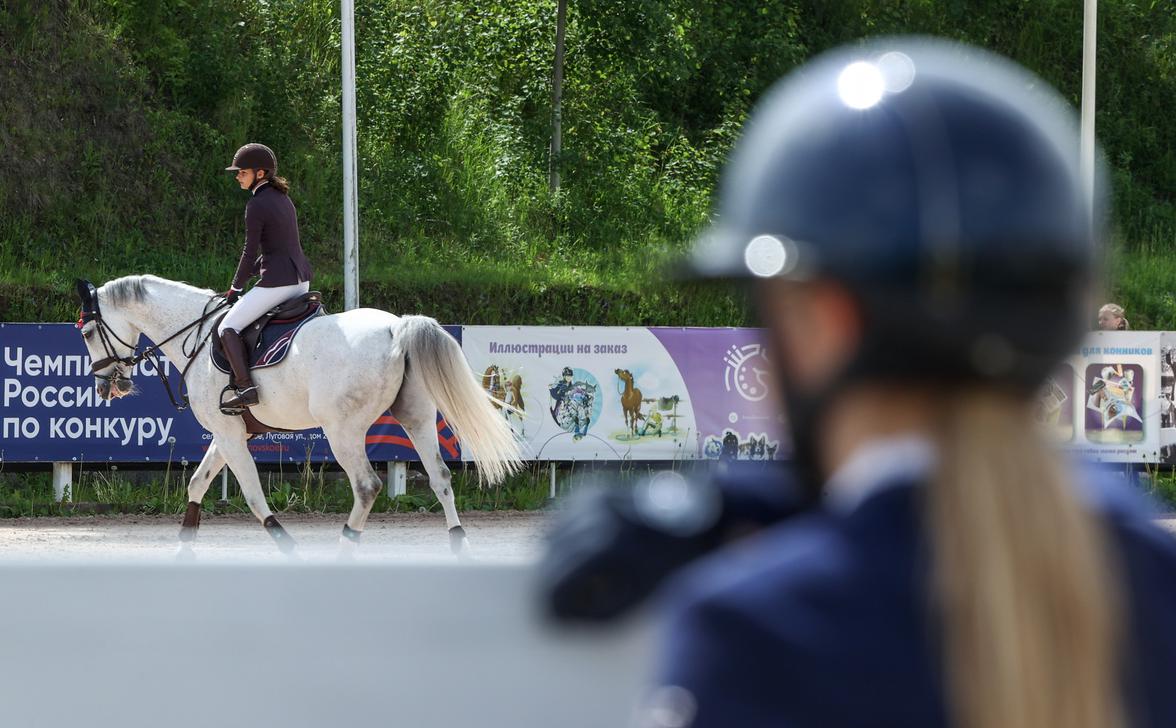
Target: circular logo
pixel 747 372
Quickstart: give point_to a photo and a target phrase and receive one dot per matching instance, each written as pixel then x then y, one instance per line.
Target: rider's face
pixel 246 177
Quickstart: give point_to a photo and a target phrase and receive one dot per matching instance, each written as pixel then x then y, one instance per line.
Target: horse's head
pixel 110 340
pixel 625 375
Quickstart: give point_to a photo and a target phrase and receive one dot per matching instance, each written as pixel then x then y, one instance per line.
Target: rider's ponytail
pixel 280 184
pixel 1024 584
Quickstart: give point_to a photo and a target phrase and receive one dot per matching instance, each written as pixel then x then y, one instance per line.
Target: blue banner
pixel 50 412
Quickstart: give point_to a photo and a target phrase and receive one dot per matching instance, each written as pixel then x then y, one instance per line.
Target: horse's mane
pixel 133 289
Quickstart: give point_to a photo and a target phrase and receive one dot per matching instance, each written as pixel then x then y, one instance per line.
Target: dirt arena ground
pixel 498 537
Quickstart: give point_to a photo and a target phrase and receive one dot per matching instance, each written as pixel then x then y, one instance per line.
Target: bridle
pixel 91 312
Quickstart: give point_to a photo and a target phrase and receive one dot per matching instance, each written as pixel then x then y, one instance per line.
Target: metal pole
pixel 557 98
pixel 225 484
pixel 350 195
pixel 551 492
pixel 1089 49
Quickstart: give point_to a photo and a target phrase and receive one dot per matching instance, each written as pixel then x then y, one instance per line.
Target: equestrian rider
pixel 272 250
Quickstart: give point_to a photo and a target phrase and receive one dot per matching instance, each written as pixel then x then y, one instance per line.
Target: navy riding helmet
pixel 940 184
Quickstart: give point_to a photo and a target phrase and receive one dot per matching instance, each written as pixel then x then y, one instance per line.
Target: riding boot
pixel 239 363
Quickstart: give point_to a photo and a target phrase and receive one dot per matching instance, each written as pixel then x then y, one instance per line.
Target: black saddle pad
pixel 273 343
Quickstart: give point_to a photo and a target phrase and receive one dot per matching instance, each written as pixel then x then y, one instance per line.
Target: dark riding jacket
pixel 272 247
pixel 826 620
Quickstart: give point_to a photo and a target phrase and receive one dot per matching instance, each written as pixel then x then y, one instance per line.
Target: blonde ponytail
pixel 1022 581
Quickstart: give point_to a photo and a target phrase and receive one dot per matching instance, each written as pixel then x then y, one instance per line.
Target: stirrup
pixel 233 407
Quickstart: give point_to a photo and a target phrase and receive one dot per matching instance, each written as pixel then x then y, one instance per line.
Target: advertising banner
pixel 49 411
pixel 1104 402
pixel 629 393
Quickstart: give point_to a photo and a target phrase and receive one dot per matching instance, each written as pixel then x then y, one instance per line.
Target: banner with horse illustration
pixel 629 393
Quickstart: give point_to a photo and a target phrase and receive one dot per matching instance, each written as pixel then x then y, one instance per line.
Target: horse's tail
pixel 453 386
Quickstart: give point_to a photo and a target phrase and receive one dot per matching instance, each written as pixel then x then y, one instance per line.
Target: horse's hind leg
pixel 240 460
pixel 209 466
pixel 351 454
pixel 418 416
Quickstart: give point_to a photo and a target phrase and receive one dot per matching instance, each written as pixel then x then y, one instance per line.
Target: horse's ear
pixel 86 292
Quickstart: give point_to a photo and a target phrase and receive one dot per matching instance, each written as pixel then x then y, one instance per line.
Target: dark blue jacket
pixel 824 621
pixel 273 249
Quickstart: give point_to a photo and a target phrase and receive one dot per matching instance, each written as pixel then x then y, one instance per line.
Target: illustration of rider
pixel 572 403
pixel 559 391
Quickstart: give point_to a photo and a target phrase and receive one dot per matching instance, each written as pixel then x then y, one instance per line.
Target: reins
pixel 150 353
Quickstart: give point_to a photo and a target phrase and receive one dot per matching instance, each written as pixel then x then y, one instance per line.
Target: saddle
pixel 267 340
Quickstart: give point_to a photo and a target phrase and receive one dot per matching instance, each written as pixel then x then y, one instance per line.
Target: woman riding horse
pixel 272 250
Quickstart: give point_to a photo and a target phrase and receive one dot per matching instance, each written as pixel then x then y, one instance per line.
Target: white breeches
pixel 257 301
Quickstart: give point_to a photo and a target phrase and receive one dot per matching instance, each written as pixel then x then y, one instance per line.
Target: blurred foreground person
pixel 910 216
pixel 922 255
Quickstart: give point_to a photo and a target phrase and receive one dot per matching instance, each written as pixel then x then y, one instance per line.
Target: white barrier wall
pixel 101 645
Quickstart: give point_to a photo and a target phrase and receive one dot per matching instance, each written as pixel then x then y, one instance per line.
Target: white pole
pixel 551 491
pixel 1089 48
pixel 397 478
pixel 350 195
pixel 225 484
pixel 63 481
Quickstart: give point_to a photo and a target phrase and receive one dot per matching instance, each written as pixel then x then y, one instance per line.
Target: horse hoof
pixel 185 553
pixel 284 541
pixel 347 550
pixel 188 534
pixel 458 543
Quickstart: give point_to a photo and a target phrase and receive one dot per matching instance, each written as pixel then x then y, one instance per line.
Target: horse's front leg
pixel 209 466
pixel 236 454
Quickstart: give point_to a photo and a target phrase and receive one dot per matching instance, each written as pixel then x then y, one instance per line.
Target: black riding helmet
pixel 940 185
pixel 254 156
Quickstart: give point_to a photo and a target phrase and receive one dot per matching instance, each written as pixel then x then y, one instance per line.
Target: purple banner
pixel 729 379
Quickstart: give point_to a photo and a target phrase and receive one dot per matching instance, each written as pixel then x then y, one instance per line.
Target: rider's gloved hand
pixel 612 547
pixel 232 295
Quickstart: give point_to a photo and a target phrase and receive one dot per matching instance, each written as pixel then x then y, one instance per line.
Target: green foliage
pixel 105 489
pixel 120 114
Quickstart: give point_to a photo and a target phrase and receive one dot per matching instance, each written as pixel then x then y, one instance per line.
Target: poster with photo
pixel 1114 402
pixel 1117 404
pixel 1054 409
pixel 1167 398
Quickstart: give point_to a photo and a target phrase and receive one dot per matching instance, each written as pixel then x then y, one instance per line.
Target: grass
pixel 310 489
pixel 1141 281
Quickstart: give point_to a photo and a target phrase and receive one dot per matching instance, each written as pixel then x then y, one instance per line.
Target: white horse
pixel 341 373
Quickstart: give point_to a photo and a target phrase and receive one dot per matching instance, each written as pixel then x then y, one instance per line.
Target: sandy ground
pixel 499 537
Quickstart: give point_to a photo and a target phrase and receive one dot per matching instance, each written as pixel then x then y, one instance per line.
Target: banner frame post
pixel 63 482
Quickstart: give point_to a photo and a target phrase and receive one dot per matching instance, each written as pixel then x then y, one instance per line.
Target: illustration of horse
pixel 514 401
pixel 630 401
pixel 492 383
